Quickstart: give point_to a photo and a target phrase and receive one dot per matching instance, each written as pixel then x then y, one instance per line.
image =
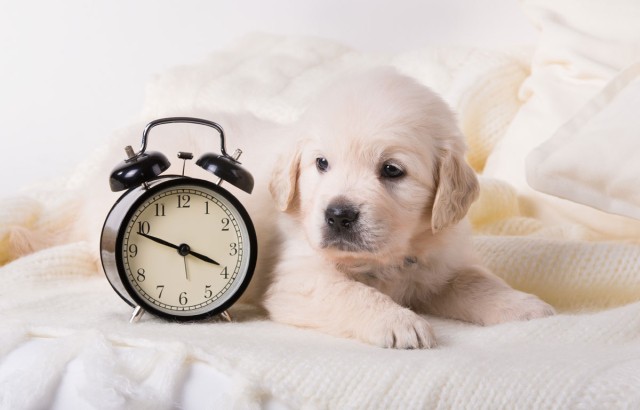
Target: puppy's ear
pixel 457 189
pixel 284 179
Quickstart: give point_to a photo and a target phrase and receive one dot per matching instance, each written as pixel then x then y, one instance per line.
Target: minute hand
pixel 160 241
pixel 182 249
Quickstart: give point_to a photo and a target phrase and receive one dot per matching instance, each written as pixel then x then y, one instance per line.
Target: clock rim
pixel 159 184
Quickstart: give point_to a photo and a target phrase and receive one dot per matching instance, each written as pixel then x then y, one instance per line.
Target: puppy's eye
pixel 391 171
pixel 322 164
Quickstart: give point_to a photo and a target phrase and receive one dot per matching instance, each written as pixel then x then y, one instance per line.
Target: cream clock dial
pixel 184 249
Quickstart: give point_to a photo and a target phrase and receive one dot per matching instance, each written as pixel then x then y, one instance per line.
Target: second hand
pixel 186 271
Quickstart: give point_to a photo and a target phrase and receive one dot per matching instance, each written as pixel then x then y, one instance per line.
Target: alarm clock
pixel 178 247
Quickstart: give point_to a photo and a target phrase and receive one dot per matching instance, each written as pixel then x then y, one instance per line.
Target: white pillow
pixel 594 158
pixel 583 44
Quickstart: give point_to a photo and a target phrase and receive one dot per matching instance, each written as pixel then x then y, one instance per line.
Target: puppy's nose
pixel 341 216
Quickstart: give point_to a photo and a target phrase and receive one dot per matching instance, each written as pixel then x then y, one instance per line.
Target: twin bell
pixel 145 166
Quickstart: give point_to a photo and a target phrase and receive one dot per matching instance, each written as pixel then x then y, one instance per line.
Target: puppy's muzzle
pixel 343 228
pixel 341 217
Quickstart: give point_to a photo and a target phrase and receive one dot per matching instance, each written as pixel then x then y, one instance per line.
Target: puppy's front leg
pixel 325 299
pixel 477 296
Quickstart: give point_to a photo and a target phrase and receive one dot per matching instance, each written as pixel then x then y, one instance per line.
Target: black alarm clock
pixel 178 247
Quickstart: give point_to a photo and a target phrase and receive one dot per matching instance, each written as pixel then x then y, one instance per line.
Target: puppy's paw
pixel 515 305
pixel 400 329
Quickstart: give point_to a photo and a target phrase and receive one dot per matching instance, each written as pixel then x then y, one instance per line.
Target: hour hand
pixel 202 257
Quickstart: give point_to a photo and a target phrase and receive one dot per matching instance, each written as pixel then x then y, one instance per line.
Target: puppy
pixel 373 198
pixel 361 224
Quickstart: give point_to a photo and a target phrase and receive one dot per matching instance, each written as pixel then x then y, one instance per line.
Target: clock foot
pixel 226 316
pixel 136 315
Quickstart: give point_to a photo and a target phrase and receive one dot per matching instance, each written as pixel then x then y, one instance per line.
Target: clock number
pixel 160 210
pixel 161 287
pixel 234 249
pixel 141 276
pixel 183 298
pixel 224 273
pixel 133 250
pixel 144 227
pixel 225 224
pixel 206 207
pixel 183 201
pixel 207 291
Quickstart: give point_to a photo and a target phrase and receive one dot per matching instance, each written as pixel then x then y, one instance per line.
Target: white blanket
pixel 586 357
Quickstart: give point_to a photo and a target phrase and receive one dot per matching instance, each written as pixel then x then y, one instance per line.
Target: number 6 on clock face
pixel 185 248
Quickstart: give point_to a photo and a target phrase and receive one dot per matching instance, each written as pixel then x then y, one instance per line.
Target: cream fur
pixel 416 258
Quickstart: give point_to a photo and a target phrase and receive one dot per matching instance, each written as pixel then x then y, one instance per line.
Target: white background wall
pixel 72 71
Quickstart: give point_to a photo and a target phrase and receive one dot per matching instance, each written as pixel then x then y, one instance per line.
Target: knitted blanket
pixel 588 356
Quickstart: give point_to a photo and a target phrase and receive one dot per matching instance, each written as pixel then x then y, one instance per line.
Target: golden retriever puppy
pixel 363 230
pixel 373 197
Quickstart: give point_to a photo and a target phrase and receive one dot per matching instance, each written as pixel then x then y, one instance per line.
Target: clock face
pixel 185 249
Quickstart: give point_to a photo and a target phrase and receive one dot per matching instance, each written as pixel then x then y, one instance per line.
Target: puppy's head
pixel 379 161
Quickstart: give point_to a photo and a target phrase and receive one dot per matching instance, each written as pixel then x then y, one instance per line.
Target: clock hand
pixel 186 271
pixel 160 241
pixel 183 249
pixel 202 257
